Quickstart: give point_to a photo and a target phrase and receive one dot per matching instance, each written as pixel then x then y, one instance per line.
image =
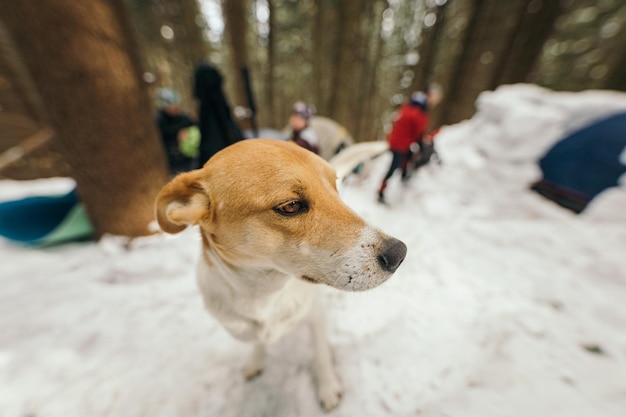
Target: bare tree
pixel 464 86
pixel 171 40
pixel 325 33
pixel 368 111
pixel 535 23
pixel 501 44
pixel 270 92
pixel 616 76
pixel 20 96
pixel 348 61
pixel 236 17
pixel 84 63
pixel 192 38
pixel 427 52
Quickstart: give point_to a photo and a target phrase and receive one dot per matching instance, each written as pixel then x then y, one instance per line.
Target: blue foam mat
pixel 45 220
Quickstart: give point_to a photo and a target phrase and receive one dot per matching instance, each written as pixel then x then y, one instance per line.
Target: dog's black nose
pixel 392 254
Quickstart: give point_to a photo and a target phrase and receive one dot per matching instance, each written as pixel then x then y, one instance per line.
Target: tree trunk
pixel 268 98
pixel 364 97
pixel 428 49
pixel 325 34
pixel 350 52
pixel 236 29
pixel 18 95
pixel 193 40
pixel 616 77
pixel 525 43
pixel 172 60
pixel 484 40
pixel 84 63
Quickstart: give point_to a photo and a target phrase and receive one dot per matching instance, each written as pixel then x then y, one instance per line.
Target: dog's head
pixel 266 204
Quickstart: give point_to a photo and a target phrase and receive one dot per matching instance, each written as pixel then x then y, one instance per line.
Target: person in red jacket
pixel 407 131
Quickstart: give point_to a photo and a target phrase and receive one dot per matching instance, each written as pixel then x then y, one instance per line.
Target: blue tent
pixel 584 163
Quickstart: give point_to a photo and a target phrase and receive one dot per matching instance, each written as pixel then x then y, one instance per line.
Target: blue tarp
pixel 584 163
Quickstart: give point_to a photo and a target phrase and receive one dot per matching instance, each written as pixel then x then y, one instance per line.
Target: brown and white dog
pixel 273 226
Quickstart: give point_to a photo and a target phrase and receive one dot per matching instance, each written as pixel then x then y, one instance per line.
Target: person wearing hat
pixel 407 132
pixel 173 124
pixel 302 134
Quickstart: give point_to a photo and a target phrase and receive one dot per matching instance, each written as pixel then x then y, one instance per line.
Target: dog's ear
pixel 181 203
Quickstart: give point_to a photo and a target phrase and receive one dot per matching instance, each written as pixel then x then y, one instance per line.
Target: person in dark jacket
pixel 407 131
pixel 217 127
pixel 173 124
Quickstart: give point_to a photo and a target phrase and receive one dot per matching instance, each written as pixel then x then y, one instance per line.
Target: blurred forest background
pixel 78 78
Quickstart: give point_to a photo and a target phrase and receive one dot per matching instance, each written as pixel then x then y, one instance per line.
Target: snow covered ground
pixel 507 305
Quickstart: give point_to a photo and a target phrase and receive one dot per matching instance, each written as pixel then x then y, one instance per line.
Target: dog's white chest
pixel 256 314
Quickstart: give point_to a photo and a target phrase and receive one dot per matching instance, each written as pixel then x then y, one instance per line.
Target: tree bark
pixel 485 37
pixel 17 91
pixel 525 42
pixel 364 98
pixel 236 28
pixel 84 63
pixel 269 111
pixel 197 49
pixel 616 77
pixel 350 53
pixel 325 33
pixel 428 49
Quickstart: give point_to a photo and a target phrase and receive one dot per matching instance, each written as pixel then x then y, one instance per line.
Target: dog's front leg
pixel 329 388
pixel 255 364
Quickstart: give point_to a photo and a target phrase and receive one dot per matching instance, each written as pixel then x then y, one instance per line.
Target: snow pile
pixel 507 305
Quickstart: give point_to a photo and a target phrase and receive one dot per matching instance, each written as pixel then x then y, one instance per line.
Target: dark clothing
pixel 399 160
pixel 307 139
pixel 169 127
pixel 426 152
pixel 217 127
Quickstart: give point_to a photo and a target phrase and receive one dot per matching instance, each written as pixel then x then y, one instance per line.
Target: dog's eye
pixel 290 208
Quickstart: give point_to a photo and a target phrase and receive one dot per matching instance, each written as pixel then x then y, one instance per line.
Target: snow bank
pixel 507 305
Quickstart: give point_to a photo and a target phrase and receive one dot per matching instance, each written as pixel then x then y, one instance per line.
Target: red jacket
pixel 408 127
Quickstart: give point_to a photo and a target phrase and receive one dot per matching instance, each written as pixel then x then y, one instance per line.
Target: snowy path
pixel 506 306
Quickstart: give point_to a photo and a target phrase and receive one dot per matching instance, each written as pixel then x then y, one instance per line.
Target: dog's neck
pixel 250 281
pixel 258 304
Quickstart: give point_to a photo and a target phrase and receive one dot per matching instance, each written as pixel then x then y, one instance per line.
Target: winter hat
pixel 167 97
pixel 304 110
pixel 419 98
